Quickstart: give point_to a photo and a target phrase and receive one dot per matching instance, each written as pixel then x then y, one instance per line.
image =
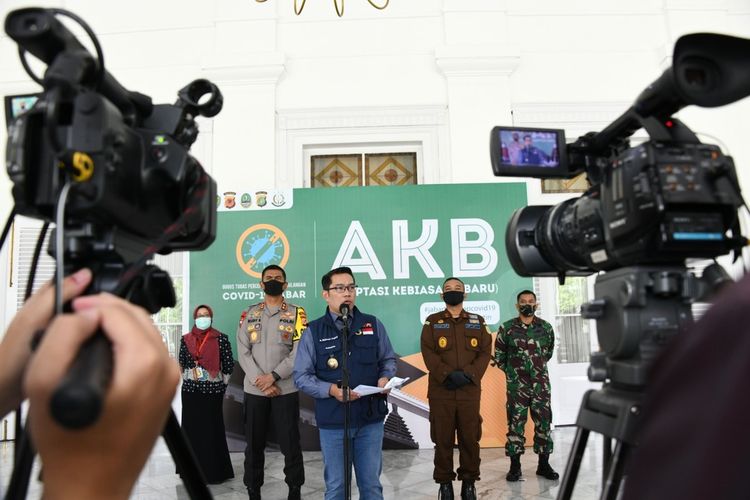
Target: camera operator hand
pixel 15 350
pixel 104 460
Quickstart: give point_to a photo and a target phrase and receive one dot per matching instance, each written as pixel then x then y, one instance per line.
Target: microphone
pixel 344 309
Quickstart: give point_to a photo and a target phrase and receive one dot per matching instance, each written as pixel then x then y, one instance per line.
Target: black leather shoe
pixel 446 491
pixel 253 493
pixel 294 493
pixel 468 492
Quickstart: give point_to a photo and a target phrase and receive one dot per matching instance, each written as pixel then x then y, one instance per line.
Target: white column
pixel 243 149
pixel 478 83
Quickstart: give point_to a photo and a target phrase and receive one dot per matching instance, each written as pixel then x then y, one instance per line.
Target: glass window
pixel 169 319
pixel 336 170
pixel 393 169
pixel 363 169
pixel 572 330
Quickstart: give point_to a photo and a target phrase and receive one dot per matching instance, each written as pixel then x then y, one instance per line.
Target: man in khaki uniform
pixel 456 348
pixel 267 341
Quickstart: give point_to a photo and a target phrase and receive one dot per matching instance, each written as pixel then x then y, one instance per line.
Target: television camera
pixel 648 209
pixel 113 171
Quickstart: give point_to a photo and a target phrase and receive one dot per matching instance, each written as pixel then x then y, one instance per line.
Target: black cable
pixel 27 293
pixel 89 32
pixel 19 479
pixel 742 251
pixel 92 36
pixel 8 225
pixel 27 68
pixel 59 245
pixel 24 453
pixel 6 230
pixel 173 230
pixel 35 261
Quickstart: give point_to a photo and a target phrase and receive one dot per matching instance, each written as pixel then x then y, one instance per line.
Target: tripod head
pixel 638 311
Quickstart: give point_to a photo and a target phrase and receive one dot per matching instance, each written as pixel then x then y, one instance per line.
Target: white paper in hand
pixel 367 390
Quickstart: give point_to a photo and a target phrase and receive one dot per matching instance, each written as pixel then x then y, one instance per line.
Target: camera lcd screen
pixel 528 152
pixel 15 105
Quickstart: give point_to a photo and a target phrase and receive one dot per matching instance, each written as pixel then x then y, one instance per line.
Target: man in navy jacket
pixel 317 372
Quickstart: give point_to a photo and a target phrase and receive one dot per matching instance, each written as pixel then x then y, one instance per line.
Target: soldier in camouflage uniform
pixel 522 349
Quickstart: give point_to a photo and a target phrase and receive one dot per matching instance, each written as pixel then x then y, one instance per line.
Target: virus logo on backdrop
pixel 259 246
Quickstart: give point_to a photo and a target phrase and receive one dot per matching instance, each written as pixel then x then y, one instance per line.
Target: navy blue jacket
pixel 371 357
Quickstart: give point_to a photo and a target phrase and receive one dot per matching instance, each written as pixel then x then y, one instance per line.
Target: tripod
pixel 638 310
pixel 613 413
pixel 78 399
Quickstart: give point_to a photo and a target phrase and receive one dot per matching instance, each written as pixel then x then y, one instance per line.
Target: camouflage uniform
pixel 522 353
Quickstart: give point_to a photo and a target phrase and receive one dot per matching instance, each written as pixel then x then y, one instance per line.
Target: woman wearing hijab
pixel 206 361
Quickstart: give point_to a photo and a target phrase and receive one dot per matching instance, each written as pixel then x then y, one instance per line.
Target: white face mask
pixel 203 322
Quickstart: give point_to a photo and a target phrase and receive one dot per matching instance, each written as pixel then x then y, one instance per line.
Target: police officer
pixel 522 349
pixel 456 347
pixel 267 344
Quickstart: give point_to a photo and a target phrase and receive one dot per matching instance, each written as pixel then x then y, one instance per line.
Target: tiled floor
pixel 407 475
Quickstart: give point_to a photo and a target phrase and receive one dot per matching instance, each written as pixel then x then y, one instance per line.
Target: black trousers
pixel 283 413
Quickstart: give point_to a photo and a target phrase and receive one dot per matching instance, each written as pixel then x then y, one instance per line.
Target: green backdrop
pixel 401 241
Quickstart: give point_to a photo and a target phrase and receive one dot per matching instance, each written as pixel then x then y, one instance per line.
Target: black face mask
pixel 526 310
pixel 274 288
pixel 453 298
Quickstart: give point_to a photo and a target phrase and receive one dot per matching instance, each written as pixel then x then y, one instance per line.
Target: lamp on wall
pixel 339 10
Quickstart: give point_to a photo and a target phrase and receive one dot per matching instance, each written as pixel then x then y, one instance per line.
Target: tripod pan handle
pixel 78 400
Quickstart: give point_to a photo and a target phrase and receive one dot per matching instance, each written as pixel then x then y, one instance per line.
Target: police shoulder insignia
pixel 443 342
pixel 426 323
pixel 488 329
pixel 300 324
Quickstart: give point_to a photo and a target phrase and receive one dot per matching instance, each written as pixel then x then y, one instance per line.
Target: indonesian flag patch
pixel 367 329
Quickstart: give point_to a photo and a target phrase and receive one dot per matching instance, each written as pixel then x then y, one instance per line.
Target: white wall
pixel 439 71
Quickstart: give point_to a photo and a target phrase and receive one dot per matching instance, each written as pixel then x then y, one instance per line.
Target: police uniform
pixel 450 344
pixel 267 343
pixel 522 352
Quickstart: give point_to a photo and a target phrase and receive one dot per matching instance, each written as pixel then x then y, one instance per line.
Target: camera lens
pixel 563 239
